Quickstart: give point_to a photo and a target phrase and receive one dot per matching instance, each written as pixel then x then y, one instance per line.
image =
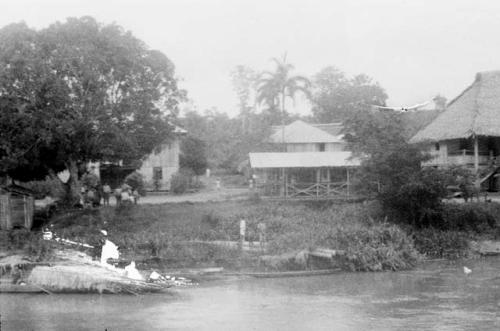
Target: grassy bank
pixel 175 235
pixel 178 235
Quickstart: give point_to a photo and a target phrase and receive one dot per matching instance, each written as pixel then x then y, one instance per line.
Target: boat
pixel 282 274
pixel 19 288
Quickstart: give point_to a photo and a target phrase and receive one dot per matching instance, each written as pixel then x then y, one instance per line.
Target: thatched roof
pixel 476 111
pixel 301 132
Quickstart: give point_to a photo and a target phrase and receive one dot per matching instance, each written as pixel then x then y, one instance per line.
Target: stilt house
pixel 467 133
pixel 313 162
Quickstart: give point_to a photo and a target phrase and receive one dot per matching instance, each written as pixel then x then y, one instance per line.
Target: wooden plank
pixel 5 212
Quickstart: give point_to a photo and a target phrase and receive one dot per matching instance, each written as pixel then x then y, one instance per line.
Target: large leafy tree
pixel 337 97
pixel 193 155
pixel 226 144
pixel 86 92
pixel 391 168
pixel 275 87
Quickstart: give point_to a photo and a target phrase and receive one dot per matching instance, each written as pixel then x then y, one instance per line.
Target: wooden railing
pixel 304 190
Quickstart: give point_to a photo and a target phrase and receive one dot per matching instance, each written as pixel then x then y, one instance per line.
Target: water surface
pixel 436 296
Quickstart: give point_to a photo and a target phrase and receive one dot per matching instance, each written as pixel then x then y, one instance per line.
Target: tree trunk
pixel 72 186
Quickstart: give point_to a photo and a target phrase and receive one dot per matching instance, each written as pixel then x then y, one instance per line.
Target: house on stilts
pixel 313 163
pixel 467 133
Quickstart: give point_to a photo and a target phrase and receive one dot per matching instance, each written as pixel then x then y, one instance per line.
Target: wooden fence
pixel 305 190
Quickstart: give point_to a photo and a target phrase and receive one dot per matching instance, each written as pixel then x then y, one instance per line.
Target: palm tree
pixel 274 87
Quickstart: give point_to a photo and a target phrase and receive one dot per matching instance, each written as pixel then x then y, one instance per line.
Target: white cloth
pixel 132 272
pixel 155 276
pixel 109 251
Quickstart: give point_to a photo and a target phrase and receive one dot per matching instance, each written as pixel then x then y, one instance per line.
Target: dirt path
pixel 222 194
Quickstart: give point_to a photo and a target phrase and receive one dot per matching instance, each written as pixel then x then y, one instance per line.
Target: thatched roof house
pixel 468 132
pixel 475 112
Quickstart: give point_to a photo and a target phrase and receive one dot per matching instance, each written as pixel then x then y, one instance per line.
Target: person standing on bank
pixel 136 196
pixel 106 192
pixel 118 195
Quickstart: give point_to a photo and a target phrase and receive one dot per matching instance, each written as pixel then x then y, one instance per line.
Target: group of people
pixel 124 194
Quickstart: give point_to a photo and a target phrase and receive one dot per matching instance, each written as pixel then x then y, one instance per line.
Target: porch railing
pixel 305 190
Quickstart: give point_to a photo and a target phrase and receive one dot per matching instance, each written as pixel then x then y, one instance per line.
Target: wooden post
pixel 348 181
pixel 243 228
pixel 318 180
pixel 285 183
pixel 329 179
pixel 476 154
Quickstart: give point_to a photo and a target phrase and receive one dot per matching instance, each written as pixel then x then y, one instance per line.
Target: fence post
pixel 243 227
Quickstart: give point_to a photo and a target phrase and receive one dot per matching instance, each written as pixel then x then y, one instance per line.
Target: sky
pixel 413 49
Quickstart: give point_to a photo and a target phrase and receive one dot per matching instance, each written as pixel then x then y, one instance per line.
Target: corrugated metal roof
pixel 301 132
pixel 303 160
pixel 474 112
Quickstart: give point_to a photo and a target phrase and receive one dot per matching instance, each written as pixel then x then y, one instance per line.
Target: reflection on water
pixel 437 296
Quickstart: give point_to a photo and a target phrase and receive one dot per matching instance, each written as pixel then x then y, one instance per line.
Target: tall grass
pixel 174 233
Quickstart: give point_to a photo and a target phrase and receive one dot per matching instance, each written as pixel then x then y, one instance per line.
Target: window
pixel 321 147
pixel 437 146
pixel 157 173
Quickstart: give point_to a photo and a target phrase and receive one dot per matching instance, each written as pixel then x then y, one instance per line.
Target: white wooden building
pixel 158 167
pixel 313 162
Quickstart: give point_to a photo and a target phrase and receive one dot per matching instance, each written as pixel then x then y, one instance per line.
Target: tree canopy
pixel 391 168
pixel 80 91
pixel 337 97
pixel 193 155
pixel 227 145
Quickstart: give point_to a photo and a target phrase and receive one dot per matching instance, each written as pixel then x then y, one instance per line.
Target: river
pixel 435 296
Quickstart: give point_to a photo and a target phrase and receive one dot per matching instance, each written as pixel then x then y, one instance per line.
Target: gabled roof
pixel 335 129
pixel 301 132
pixel 476 111
pixel 303 160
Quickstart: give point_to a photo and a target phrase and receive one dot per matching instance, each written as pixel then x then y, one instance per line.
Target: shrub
pixel 476 217
pixel 90 180
pixel 136 181
pixel 378 247
pixel 179 183
pixel 435 243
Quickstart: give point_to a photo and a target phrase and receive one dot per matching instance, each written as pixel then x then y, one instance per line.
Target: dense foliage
pixel 227 140
pixel 79 91
pixel 193 155
pixel 172 233
pixel 391 168
pixel 337 97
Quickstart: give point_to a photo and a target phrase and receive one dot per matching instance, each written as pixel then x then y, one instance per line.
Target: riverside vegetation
pixel 179 235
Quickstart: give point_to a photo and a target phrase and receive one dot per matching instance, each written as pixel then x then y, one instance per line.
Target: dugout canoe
pixel 283 274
